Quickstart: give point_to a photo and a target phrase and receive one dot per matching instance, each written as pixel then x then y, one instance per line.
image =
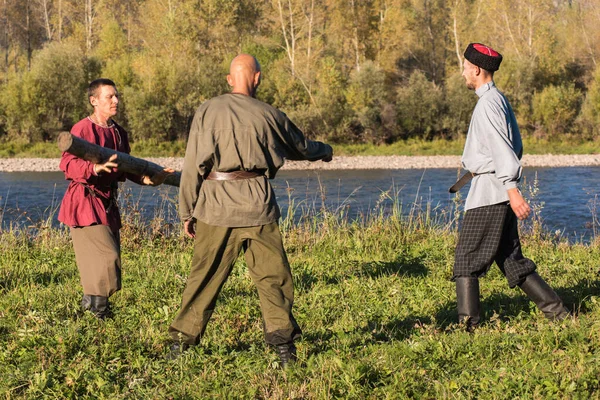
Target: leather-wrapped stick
pixel 98 154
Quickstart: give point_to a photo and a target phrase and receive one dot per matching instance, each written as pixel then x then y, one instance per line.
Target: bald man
pixel 235 146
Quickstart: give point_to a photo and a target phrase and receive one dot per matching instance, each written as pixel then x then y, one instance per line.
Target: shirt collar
pixel 484 88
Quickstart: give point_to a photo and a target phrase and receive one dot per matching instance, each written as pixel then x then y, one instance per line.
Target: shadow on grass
pixel 403 265
pixel 574 297
pixel 14 280
pixel 373 333
pixel 507 306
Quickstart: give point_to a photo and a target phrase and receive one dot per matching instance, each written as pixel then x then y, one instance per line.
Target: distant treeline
pixel 370 71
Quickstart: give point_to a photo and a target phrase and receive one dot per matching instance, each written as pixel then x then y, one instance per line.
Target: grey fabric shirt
pixel 234 132
pixel 493 148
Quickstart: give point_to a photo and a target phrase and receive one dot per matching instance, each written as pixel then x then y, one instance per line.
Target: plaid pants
pixel 491 234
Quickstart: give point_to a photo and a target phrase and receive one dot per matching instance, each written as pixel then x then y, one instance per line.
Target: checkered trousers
pixel 491 234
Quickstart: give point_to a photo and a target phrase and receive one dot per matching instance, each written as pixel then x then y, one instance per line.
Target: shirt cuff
pixel 510 185
pixel 185 217
pixel 92 170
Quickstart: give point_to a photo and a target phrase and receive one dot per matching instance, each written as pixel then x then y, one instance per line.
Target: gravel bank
pixel 358 162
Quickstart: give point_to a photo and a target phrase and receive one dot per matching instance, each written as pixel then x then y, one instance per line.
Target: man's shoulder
pixel 493 99
pixel 82 124
pixel 240 101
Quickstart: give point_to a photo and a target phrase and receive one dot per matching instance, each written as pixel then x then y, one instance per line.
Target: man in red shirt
pixel 89 205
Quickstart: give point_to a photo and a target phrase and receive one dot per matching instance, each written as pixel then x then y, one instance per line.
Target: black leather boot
pixel 544 297
pixel 99 306
pixel 467 298
pixel 287 354
pixel 86 302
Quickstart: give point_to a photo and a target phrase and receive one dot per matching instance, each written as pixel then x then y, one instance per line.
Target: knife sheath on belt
pixel 463 180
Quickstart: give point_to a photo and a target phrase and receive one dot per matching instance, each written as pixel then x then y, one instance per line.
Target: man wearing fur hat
pixel 489 231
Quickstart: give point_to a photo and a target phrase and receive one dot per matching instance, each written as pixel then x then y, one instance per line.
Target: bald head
pixel 244 75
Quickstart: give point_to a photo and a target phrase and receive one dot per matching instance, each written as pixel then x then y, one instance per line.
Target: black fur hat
pixel 483 56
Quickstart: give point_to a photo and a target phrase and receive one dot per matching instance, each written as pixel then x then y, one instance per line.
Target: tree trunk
pixel 60 20
pixel 49 32
pixel 290 42
pixel 355 40
pixel 89 24
pixel 6 37
pixel 28 30
pixel 98 154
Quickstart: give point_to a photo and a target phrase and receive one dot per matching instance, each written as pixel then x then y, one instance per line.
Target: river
pixel 565 197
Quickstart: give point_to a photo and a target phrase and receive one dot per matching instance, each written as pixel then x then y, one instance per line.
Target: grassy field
pixel 411 147
pixel 372 296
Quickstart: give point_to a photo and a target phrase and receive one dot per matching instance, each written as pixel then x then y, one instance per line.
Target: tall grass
pixel 372 294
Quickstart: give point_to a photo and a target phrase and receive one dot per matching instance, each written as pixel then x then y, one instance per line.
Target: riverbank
pixel 338 163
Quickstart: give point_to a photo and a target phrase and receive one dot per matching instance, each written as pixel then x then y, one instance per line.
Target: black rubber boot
pixel 467 298
pixel 544 297
pixel 99 306
pixel 287 354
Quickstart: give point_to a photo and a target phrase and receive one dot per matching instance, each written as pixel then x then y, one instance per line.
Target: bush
pixel 589 120
pixel 555 109
pixel 459 103
pixel 48 99
pixel 165 97
pixel 517 79
pixel 366 97
pixel 420 104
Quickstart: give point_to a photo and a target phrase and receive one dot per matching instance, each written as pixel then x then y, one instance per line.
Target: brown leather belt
pixel 230 176
pixel 463 180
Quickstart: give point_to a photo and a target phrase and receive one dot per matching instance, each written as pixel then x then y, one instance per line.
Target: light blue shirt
pixel 493 148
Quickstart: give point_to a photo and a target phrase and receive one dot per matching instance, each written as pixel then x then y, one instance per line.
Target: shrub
pixel 420 104
pixel 459 103
pixel 555 109
pixel 589 120
pixel 366 97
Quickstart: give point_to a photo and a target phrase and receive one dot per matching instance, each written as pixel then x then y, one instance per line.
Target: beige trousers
pixel 98 257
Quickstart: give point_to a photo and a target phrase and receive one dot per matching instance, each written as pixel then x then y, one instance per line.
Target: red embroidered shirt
pixel 87 200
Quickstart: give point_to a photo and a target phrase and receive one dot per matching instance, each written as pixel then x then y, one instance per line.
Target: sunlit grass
pixel 373 297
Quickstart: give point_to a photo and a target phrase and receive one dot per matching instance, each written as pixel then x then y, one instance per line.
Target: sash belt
pixel 463 180
pixel 230 176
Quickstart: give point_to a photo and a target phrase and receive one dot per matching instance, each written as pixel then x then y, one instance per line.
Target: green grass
pixel 373 298
pixel 411 147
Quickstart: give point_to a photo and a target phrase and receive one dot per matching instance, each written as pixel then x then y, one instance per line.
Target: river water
pixel 565 197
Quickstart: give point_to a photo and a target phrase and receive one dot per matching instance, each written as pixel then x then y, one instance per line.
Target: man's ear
pixel 257 76
pixel 93 101
pixel 230 80
pixel 477 70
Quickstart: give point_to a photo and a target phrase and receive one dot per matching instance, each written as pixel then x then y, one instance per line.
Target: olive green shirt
pixel 234 132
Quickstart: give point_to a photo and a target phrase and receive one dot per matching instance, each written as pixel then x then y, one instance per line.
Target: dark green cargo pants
pixel 215 250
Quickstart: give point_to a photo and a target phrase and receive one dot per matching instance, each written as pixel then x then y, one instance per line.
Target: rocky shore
pixel 339 163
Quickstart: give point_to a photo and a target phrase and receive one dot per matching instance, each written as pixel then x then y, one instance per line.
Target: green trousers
pixel 215 250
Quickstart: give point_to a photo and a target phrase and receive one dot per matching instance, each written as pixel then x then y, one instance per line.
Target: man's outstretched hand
pixel 158 178
pixel 109 166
